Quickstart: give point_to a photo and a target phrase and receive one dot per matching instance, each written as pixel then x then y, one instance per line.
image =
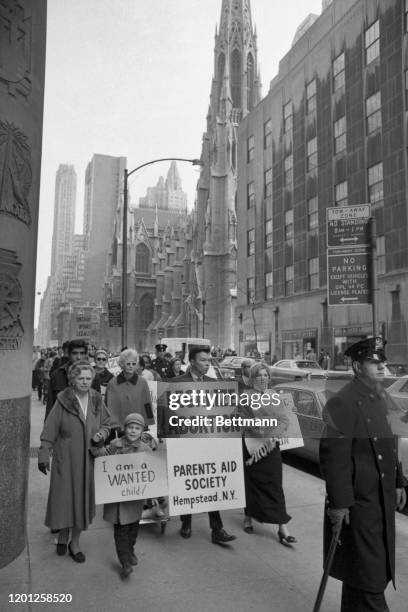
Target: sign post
pixel 115 314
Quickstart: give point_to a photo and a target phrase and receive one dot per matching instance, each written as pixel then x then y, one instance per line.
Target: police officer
pixel 364 483
pixel 159 364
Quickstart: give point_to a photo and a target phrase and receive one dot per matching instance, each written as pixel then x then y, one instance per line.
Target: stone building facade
pixel 332 131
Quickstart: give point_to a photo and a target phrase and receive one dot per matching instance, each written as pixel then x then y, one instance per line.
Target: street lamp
pixel 126 175
pixel 203 303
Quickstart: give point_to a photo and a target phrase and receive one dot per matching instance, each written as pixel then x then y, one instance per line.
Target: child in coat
pixel 125 516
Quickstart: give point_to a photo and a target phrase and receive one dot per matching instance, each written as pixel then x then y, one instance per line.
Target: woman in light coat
pixel 77 417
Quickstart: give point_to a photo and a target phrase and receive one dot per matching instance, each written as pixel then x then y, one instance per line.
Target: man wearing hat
pixel 364 483
pixel 159 364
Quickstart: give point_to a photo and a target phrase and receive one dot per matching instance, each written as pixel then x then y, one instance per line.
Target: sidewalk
pixel 254 573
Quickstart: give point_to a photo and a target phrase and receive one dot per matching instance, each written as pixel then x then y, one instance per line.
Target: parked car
pixel 399 391
pixel 295 369
pixel 347 375
pixel 397 369
pixel 231 366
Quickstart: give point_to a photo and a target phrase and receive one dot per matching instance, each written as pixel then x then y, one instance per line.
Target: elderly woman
pixel 174 368
pixel 262 458
pixel 78 418
pixel 128 392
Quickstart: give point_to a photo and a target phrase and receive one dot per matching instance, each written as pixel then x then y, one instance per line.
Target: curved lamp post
pixel 127 173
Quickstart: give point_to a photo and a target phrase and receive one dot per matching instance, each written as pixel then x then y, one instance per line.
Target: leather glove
pixel 44 467
pixel 98 439
pixel 337 516
pixel 400 499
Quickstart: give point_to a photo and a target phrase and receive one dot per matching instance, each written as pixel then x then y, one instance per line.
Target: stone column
pixel 22 67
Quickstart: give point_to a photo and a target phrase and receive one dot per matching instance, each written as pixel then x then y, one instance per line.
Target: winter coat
pixel 358 458
pixel 123 513
pixel 71 499
pixel 124 396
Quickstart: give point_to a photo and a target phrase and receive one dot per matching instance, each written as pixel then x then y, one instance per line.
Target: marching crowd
pixel 90 412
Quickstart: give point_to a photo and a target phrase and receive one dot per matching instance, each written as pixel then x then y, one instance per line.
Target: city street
pixel 254 573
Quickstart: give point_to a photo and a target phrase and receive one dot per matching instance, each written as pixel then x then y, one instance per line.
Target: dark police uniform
pixel 358 457
pixel 159 365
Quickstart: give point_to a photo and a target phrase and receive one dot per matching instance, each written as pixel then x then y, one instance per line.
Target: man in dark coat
pixel 199 358
pixel 364 483
pixel 77 351
pixel 243 380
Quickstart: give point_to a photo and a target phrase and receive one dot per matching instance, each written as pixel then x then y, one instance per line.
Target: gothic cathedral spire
pixel 235 91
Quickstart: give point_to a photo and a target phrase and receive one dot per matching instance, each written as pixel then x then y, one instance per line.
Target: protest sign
pixel 204 475
pixel 120 478
pixel 295 440
pixel 152 384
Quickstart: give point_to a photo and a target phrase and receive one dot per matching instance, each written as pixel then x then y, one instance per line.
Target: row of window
pixel 313 275
pixel 374 183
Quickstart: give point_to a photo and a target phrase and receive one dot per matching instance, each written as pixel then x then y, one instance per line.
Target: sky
pixel 132 78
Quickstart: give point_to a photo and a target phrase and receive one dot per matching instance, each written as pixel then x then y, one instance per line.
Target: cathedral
pixel 236 89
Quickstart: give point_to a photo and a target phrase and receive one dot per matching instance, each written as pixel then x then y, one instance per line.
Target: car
pixel 231 366
pixel 347 375
pixel 397 369
pixel 399 391
pixel 309 398
pixel 295 369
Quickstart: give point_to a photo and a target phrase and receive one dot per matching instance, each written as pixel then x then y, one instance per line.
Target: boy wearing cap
pixel 125 516
pixel 364 484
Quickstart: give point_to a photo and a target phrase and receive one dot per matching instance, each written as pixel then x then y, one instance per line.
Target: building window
pixel 250 148
pixel 268 234
pixel 340 135
pixel 339 76
pixel 406 16
pixel 287 117
pixel 375 183
pixel 289 225
pixel 372 42
pixel 341 194
pixel 288 171
pixel 373 112
pixel 314 273
pixel 312 154
pixel 142 259
pixel 288 280
pixel 268 133
pixel 251 242
pixel 311 96
pixel 146 311
pixel 250 290
pixel 312 214
pixel 250 195
pixel 268 285
pixel 268 183
pixel 380 254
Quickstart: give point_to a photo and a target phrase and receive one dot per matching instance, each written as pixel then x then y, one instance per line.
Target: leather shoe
pixel 220 536
pixel 133 559
pixel 78 557
pixel 185 530
pixel 126 570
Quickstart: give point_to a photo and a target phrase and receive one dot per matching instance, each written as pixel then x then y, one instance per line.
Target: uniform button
pixel 375 438
pixel 382 475
pixel 359 403
pixel 368 420
pixel 380 457
pixel 371 396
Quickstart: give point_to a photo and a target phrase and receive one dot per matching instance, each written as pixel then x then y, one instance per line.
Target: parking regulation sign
pixel 348 272
pixel 348 225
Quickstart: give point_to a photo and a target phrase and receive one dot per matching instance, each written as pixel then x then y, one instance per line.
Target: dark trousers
pixel 214 517
pixel 125 540
pixel 355 600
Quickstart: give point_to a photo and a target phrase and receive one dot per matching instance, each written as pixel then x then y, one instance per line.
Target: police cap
pixel 160 347
pixel 370 348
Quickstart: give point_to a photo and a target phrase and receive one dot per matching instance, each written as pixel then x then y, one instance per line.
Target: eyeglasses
pixel 101 359
pixel 131 363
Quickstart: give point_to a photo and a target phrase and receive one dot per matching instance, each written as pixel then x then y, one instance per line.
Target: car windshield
pixel 308 364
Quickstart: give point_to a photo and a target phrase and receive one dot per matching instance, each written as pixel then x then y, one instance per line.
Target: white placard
pixel 204 475
pixel 121 478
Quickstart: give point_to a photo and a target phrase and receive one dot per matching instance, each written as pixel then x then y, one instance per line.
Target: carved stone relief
pixel 15 172
pixel 15 49
pixel 11 328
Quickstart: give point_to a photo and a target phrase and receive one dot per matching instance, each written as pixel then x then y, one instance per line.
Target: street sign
pixel 115 314
pixel 348 274
pixel 348 225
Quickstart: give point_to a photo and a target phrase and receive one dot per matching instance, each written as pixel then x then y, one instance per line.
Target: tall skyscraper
pixel 103 195
pixel 236 89
pixel 64 215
